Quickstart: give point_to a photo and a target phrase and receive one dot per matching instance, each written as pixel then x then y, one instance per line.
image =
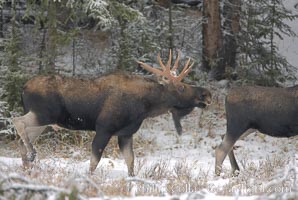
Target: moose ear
pixel 181 88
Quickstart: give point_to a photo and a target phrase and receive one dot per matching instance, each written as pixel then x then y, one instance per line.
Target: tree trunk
pixel 212 40
pixel 170 37
pixel 272 32
pixel 74 42
pixel 164 3
pixel 13 46
pixel 42 50
pixel 52 34
pixel 1 22
pixel 231 13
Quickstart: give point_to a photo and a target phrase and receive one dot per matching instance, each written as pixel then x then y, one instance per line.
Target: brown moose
pixel 112 105
pixel 272 111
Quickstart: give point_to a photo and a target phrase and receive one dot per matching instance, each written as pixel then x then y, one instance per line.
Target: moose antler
pixel 167 72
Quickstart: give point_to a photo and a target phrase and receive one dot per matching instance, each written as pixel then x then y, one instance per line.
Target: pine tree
pixel 261 23
pixel 126 18
pixel 56 26
pixel 14 77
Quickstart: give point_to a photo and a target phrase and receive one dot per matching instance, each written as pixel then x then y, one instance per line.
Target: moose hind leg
pixel 126 147
pixel 33 133
pixel 231 155
pixel 27 150
pixel 99 143
pixel 223 150
pixel 23 151
pixel 28 129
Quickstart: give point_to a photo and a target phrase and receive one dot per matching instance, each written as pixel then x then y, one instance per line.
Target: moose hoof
pixel 31 156
pixel 27 165
pixel 179 130
pixel 217 170
pixel 131 174
pixel 235 173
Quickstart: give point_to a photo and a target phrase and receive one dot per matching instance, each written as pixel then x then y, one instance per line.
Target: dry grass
pixel 165 177
pixel 256 178
pixel 154 179
pixel 75 144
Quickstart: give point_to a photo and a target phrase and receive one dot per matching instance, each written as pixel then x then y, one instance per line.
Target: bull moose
pixel 112 105
pixel 272 111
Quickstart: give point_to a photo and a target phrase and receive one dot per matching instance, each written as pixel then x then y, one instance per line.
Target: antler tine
pixel 160 62
pixel 151 69
pixel 176 65
pixel 168 66
pixel 166 69
pixel 185 71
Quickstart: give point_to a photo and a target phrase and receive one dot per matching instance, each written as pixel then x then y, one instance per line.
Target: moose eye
pixel 181 88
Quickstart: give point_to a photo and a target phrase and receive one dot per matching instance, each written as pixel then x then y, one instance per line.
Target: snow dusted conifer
pixel 261 23
pixel 108 12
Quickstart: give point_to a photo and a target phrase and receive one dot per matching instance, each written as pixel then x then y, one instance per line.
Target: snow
pixel 202 195
pixel 194 150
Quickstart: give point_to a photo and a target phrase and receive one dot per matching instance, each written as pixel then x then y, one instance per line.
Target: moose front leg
pixel 99 143
pixel 126 147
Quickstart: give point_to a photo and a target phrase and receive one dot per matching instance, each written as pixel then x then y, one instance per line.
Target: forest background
pixel 231 39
